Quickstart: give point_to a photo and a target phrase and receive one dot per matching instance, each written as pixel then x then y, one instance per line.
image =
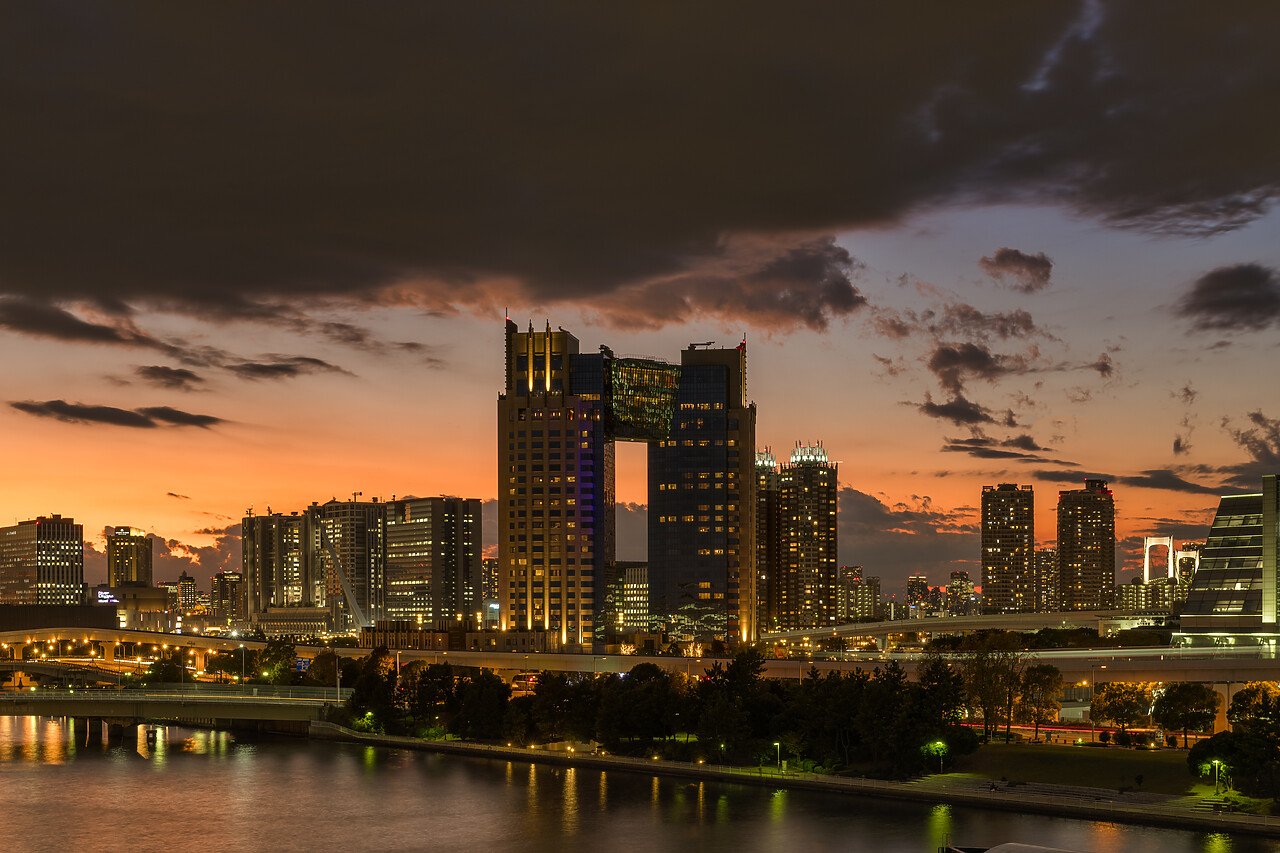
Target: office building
pixel 433 565
pixel 129 553
pixel 1008 546
pixel 558 418
pixel 1086 547
pixel 42 562
pixel 228 598
pixel 702 479
pixel 1233 596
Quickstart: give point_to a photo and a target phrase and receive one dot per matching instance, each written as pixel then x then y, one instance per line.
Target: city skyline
pixel 1044 255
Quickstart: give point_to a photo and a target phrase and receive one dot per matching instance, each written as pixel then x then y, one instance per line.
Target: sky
pixel 258 256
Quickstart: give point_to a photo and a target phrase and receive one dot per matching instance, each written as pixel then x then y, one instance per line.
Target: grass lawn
pixel 1162 771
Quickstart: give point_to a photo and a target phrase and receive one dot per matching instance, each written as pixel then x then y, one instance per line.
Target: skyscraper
pixel 1087 547
pixel 961 600
pixel 857 597
pixel 1008 545
pixel 802 589
pixel 433 560
pixel 558 418
pixel 280 556
pixel 42 562
pixel 1048 598
pixel 227 598
pixel 769 560
pixel 129 553
pixel 917 593
pixel 702 480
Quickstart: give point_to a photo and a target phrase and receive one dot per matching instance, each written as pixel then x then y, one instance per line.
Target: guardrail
pixel 278 695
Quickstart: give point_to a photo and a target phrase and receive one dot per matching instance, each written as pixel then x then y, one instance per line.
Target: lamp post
pixel 778 746
pixel 242 666
pixel 941 749
pixel 1215 763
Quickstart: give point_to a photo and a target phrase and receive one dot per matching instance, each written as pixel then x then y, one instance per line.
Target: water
pixel 197 790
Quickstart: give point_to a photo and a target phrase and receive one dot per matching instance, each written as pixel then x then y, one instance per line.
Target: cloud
pixel 776 287
pixel 958 410
pixel 954 364
pixel 166 414
pixel 1186 394
pixel 145 418
pixel 1181 445
pixel 1165 480
pixel 1261 441
pixel 454 159
pixel 175 378
pixel 282 367
pixel 178 496
pixel 1104 365
pixel 1240 297
pixel 1028 273
pixel 1022 447
pixel 896 539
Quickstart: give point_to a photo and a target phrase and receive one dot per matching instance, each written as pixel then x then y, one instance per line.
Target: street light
pixel 778 746
pixel 1215 763
pixel 941 749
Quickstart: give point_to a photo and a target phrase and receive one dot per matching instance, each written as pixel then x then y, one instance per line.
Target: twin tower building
pixel 559 417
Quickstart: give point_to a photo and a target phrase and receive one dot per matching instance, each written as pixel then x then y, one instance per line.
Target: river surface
pixel 196 790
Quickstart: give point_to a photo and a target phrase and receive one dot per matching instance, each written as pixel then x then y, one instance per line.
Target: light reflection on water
pixel 64 790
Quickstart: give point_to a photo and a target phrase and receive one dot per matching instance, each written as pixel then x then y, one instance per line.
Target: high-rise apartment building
pixel 798 502
pixel 1008 546
pixel 961 598
pixel 433 571
pixel 129 555
pixel 1048 599
pixel 558 418
pixel 228 601
pixel 281 561
pixel 769 558
pixel 917 591
pixel 42 562
pixel 857 597
pixel 1087 547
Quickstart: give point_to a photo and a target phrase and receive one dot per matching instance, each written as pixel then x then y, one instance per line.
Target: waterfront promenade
pixel 1103 804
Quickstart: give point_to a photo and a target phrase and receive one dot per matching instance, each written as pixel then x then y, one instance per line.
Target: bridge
pixel 1105 622
pixel 287 710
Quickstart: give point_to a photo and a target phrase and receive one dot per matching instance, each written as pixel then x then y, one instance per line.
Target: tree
pixel 373 693
pixel 482 706
pixel 1040 695
pixel 1254 705
pixel 1185 705
pixel 992 672
pixel 278 662
pixel 1121 703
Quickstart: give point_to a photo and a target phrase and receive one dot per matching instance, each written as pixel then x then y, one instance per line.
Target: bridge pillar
pixel 87 730
pixel 1223 689
pixel 108 651
pixel 882 642
pixel 199 659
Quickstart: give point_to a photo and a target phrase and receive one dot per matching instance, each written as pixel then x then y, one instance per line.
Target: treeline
pixel 877 722
pixel 1248 757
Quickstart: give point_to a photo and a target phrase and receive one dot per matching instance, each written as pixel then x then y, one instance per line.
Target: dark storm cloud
pixel 175 378
pixel 1238 297
pixel 453 156
pixel 1026 273
pixel 146 418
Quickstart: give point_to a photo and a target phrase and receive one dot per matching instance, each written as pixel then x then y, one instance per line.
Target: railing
pixel 260 696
